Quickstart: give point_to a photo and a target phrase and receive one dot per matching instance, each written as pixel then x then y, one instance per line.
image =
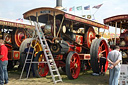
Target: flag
pixel 97 6
pixel 79 8
pixel 87 7
pixel 72 9
pixel 19 19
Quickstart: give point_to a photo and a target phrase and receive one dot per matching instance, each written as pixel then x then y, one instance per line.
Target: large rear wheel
pixel 40 69
pixel 99 46
pixel 72 65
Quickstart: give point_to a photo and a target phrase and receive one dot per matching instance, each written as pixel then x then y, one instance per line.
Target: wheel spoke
pixel 77 62
pixel 74 59
pixel 73 72
pixel 40 71
pixel 101 44
pixel 71 65
pixel 103 51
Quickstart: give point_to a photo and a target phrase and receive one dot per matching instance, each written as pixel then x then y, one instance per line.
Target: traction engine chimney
pixel 59 4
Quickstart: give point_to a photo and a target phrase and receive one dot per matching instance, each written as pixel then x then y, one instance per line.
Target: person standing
pixel 3 63
pixel 102 64
pixel 114 58
pixel 30 52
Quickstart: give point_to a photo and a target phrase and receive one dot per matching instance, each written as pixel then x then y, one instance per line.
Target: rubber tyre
pixel 76 69
pixel 94 51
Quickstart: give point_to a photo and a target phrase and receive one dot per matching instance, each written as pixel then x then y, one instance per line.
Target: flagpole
pixel 96 11
pixel 99 6
pixel 90 11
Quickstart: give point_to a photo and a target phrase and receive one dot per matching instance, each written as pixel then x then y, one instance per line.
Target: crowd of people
pixel 114 58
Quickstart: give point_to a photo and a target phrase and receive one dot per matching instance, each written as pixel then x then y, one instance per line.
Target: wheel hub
pixel 75 65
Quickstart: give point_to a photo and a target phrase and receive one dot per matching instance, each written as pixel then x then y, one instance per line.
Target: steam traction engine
pixel 120 21
pixel 71 40
pixel 13 33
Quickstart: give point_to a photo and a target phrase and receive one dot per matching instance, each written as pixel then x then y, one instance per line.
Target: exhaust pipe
pixel 59 4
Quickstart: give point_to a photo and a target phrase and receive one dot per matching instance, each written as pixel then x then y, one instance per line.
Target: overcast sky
pixel 13 9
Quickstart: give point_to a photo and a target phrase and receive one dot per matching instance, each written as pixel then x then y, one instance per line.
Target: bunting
pixel 72 9
pixel 19 19
pixel 87 7
pixel 79 8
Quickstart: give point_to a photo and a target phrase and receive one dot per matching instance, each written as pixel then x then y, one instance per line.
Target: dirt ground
pixel 85 78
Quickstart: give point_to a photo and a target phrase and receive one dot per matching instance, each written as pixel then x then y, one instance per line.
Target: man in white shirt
pixel 114 58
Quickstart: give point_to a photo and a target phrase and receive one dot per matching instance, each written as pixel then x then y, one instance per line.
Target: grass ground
pixel 85 78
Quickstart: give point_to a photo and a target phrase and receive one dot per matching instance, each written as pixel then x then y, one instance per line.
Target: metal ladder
pixel 30 60
pixel 48 55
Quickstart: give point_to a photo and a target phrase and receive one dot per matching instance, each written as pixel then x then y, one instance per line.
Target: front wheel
pixel 72 65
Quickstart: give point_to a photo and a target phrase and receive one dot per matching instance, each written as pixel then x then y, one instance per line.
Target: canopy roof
pixel 46 13
pixel 12 23
pixel 122 21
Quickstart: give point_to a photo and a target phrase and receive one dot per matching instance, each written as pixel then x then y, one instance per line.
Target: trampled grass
pixel 85 78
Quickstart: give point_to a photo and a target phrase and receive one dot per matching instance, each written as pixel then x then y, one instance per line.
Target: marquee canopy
pixel 121 20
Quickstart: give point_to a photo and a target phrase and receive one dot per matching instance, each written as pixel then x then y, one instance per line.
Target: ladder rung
pixel 37 62
pixel 49 55
pixel 28 59
pixel 50 60
pixel 28 62
pixel 58 81
pixel 54 70
pixel 44 45
pixel 43 40
pixel 52 65
pixel 56 75
pixel 40 62
pixel 46 49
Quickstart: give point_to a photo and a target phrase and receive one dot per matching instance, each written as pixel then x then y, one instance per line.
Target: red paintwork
pixel 103 49
pixel 18 35
pixel 43 66
pixel 16 55
pixel 72 17
pixel 75 65
pixel 84 56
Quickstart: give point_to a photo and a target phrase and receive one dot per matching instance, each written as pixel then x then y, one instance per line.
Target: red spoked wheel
pixel 89 36
pixel 98 46
pixel 41 69
pixel 18 36
pixel 72 65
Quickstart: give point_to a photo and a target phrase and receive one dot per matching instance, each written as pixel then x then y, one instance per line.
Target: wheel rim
pixel 75 66
pixel 90 36
pixel 18 36
pixel 103 49
pixel 42 67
